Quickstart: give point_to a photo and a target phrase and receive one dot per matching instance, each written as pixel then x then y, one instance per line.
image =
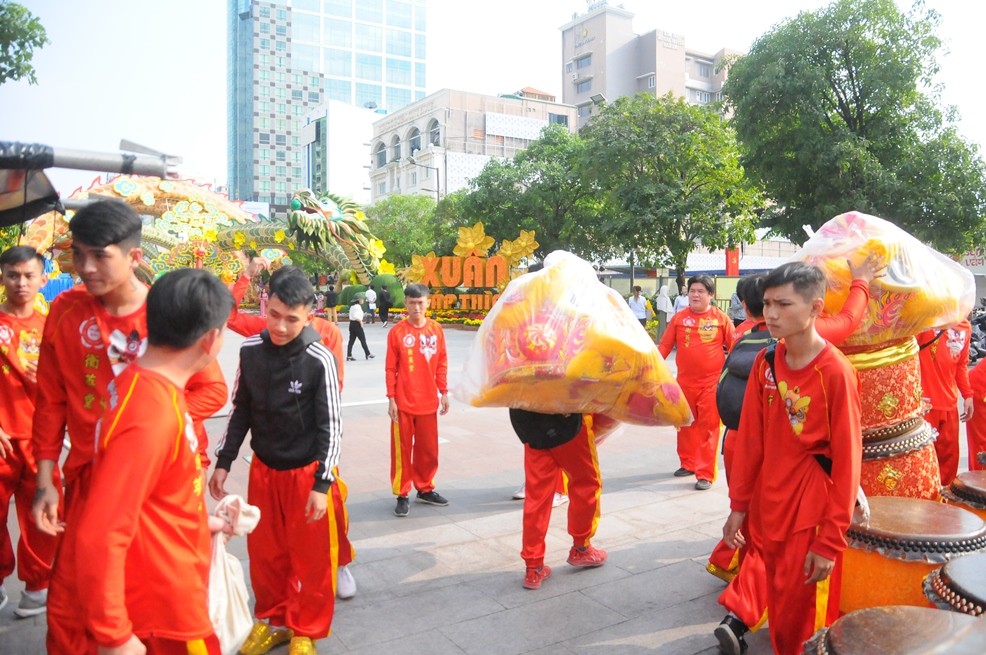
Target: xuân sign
pixel 473 272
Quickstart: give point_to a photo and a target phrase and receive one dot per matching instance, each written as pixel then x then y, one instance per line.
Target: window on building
pixel 281 30
pixel 399 13
pixel 340 90
pixel 281 78
pixel 584 62
pixel 264 123
pixel 296 141
pixel 265 186
pixel 420 19
pixel 281 171
pixel 296 110
pixel 369 67
pixel 585 110
pixel 280 46
pixel 420 52
pixel 263 154
pixel 569 67
pixel 305 27
pixel 313 81
pixel 704 69
pixel 281 14
pixel 280 155
pixel 265 28
pixel 265 12
pixel 338 33
pixel 265 44
pixel 380 156
pixel 370 10
pixel 264 107
pixel 399 43
pixel 434 133
pixel 313 96
pixel 297 94
pixel 414 140
pixel 281 124
pixel 263 60
pixel 381 188
pixel 279 92
pixel 337 62
pixel 264 75
pixel 398 71
pixel 280 108
pixel 265 138
pixel 281 62
pixel 296 79
pixel 369 38
pixel 418 95
pixel 412 178
pixel 583 87
pixel 652 81
pixel 369 95
pixel 338 7
pixel 395 149
pixel 307 5
pixel 264 170
pixel 419 75
pixel 281 187
pixel 397 98
pixel 281 140
pixel 558 119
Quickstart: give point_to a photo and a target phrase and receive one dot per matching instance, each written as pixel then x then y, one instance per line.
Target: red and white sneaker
pixel 534 577
pixel 587 557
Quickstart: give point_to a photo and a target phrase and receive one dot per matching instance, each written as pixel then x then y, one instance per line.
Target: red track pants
pixel 413 452
pixel 975 433
pixel 698 442
pixel 947 444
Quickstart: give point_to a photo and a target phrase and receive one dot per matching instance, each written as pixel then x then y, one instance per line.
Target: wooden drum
pixel 905 465
pixel 906 538
pixel 968 490
pixel 900 631
pixel 960 585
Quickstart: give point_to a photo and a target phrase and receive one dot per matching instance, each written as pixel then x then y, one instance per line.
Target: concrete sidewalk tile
pixel 432 642
pixel 655 589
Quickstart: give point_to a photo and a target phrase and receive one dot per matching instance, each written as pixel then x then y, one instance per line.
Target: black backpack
pixel 735 373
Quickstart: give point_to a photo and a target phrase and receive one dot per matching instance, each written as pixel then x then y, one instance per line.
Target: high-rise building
pixel 603 59
pixel 437 144
pixel 287 57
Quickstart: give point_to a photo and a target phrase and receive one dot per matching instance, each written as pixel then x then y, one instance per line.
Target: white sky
pixel 155 72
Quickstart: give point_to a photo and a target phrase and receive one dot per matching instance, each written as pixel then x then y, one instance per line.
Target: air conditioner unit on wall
pixel 575 76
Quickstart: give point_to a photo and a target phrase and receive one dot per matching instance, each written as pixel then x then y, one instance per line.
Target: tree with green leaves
pixel 673 171
pixel 837 110
pixel 406 225
pixel 540 189
pixel 20 34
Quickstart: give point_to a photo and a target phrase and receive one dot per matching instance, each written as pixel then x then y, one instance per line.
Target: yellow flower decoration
pixel 473 241
pixel 279 236
pixel 525 243
pixel 509 251
pixel 210 235
pixel 376 248
pixel 386 268
pixel 290 245
pixel 239 240
pixel 253 245
pixel 416 270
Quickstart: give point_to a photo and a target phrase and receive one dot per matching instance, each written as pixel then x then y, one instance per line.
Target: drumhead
pixel 970 487
pixel 916 529
pixel 901 630
pixel 960 585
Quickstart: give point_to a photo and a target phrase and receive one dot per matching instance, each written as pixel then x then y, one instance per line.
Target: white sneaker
pixel 560 499
pixel 345 584
pixel 520 494
pixel 3 598
pixel 32 603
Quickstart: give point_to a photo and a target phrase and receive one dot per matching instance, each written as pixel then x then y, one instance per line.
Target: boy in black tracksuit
pixel 287 396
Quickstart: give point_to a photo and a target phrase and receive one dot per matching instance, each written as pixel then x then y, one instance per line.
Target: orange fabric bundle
pixel 558 341
pixel 922 288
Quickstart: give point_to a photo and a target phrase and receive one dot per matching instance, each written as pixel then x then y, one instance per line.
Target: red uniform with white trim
pixel 417 372
pixel 702 341
pixel 975 428
pixel 20 340
pixel 144 561
pixel 783 425
pixel 944 379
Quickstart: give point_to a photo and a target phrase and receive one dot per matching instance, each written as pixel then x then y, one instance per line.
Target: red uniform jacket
pixel 945 365
pixel 20 345
pixel 417 366
pixel 702 341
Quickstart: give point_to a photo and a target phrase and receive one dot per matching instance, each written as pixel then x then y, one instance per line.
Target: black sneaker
pixel 350 359
pixel 703 485
pixel 370 356
pixel 730 635
pixel 683 473
pixel 432 498
pixel 402 506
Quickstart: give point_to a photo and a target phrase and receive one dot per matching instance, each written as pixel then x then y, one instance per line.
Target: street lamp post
pixel 438 189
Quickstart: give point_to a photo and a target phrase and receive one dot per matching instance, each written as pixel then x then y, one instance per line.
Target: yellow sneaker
pixel 263 638
pixel 301 646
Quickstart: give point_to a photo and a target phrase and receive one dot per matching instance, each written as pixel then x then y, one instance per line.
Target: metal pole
pixel 111 162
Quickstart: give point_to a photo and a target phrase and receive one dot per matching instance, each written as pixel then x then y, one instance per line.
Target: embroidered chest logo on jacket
pixel 956 341
pixel 294 387
pixel 125 348
pixel 429 345
pixel 795 404
pixel 707 328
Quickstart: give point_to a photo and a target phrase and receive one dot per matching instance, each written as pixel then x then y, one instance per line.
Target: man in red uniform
pixel 944 375
pixel 287 396
pixel 21 326
pixel 249 325
pixel 801 416
pixel 702 334
pixel 144 561
pixel 554 443
pixel 975 427
pixel 417 386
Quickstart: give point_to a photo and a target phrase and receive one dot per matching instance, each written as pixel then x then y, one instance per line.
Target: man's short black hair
pixel 809 281
pixel 185 304
pixel 19 255
pixel 704 280
pixel 106 223
pixel 750 291
pixel 416 290
pixel 292 287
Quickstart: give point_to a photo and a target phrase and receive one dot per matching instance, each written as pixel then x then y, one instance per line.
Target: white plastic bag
pixel 229 599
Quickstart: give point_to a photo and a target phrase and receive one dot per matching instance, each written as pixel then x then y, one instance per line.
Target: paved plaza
pixel 447 580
